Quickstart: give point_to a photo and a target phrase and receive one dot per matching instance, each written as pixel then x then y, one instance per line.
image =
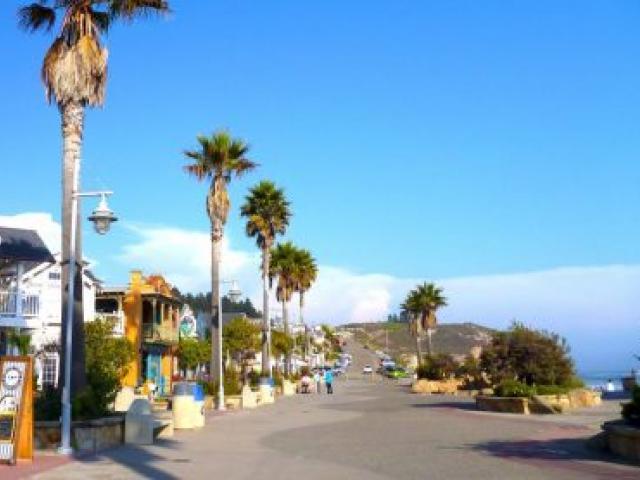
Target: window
pixel 50 370
pixel 54 275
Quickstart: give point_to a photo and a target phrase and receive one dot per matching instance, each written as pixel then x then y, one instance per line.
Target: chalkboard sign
pixel 6 427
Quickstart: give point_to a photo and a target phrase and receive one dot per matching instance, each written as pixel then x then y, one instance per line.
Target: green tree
pixel 21 341
pixel 535 357
pixel 241 337
pixel 193 352
pixel 421 305
pixel 283 269
pixel 74 73
pixel 282 344
pixel 268 213
pixel 218 158
pixel 107 360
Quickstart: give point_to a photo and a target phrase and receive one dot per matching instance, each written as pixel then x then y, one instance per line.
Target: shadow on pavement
pixel 136 459
pixel 468 406
pixel 569 453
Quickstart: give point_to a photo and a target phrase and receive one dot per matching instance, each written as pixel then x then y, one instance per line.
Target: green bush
pixel 534 357
pixel 254 379
pixel 631 410
pixel 47 404
pixel 232 384
pixel 436 367
pixel 514 388
pixel 551 389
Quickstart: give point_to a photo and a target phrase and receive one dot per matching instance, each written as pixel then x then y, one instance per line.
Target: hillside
pixel 451 338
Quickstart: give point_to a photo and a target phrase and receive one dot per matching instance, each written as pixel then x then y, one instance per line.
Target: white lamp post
pixel 234 295
pixel 102 218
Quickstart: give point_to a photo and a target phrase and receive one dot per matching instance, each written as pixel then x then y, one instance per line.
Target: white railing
pixel 117 318
pixel 10 300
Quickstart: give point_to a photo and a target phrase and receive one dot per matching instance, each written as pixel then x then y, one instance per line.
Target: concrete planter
pixel 86 436
pixel 288 388
pixel 622 440
pixel 450 387
pixel 209 402
pixel 503 404
pixel 233 402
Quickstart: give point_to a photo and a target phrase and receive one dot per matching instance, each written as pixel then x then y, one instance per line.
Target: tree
pixel 534 357
pixel 74 73
pixel 241 337
pixel 267 211
pixel 193 352
pixel 306 272
pixel 282 344
pixel 421 305
pixel 283 268
pixel 218 158
pixel 21 341
pixel 108 359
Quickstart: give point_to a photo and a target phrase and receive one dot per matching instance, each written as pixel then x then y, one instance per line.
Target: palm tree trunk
pixel 418 350
pixel 72 130
pixel 216 316
pixel 307 337
pixel 429 347
pixel 285 321
pixel 266 324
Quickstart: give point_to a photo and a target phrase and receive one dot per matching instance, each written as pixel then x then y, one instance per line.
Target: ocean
pixel 598 379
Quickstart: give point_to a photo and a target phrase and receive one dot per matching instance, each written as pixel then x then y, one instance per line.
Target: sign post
pixel 16 409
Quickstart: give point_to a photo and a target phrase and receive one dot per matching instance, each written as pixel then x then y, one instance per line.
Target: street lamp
pixel 234 295
pixel 102 218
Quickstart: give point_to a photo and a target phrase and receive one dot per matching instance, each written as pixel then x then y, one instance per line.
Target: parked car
pixel 367 370
pixel 398 372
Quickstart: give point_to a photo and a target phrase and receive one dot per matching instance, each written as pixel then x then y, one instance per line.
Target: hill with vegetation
pixel 395 338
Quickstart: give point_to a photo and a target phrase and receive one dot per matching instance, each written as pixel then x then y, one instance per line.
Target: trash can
pixel 198 407
pixel 183 405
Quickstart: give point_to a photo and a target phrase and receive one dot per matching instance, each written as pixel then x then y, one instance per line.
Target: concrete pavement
pixel 367 430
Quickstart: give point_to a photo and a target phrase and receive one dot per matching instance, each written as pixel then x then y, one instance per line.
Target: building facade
pixel 148 314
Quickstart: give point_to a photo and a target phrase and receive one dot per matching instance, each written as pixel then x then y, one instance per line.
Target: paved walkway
pixel 367 430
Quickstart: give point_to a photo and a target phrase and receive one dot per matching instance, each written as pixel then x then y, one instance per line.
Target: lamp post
pixel 234 295
pixel 102 217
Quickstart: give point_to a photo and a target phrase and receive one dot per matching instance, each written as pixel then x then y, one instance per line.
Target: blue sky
pixel 417 140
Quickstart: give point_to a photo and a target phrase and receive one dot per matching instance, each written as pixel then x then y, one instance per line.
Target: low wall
pixel 436 386
pixel 503 404
pixel 622 440
pixel 86 436
pixel 233 402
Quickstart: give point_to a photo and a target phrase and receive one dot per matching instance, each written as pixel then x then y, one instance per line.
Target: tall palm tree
pixel 412 310
pixel 74 73
pixel 283 268
pixel 305 275
pixel 422 304
pixel 267 211
pixel 218 158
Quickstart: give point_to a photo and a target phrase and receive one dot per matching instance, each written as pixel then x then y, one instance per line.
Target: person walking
pixel 318 379
pixel 328 381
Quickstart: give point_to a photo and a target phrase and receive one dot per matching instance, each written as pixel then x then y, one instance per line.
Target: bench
pixel 142 427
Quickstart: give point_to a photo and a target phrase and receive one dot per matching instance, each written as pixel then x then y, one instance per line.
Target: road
pixel 368 430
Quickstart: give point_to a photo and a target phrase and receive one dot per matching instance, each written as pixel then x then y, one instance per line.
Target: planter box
pixel 503 404
pixel 450 387
pixel 86 436
pixel 622 440
pixel 233 402
pixel 288 388
pixel 209 402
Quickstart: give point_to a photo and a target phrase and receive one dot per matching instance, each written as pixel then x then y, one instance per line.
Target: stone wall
pixel 436 386
pixel 622 440
pixel 503 404
pixel 87 436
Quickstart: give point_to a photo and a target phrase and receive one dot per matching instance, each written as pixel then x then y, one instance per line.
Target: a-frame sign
pixel 16 409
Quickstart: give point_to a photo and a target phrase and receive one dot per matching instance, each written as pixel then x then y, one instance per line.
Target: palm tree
pixel 268 214
pixel 283 267
pixel 422 304
pixel 218 159
pixel 74 73
pixel 305 275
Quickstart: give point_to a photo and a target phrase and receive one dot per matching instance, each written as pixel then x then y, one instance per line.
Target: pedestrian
pixel 610 386
pixel 318 379
pixel 328 381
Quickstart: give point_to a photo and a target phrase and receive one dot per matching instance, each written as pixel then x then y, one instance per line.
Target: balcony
pixel 159 333
pixel 117 318
pixel 19 309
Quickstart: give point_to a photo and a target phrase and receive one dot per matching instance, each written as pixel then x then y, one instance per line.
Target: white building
pixel 31 296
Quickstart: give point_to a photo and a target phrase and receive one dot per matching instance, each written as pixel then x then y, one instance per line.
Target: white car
pixel 367 370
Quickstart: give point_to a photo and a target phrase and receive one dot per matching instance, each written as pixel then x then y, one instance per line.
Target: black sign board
pixel 6 427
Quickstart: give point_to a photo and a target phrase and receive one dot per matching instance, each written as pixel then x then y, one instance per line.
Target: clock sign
pixel 11 378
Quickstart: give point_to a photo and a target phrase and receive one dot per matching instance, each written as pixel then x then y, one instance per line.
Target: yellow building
pixel 147 313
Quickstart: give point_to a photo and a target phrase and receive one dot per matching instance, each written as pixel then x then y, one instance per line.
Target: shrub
pixel 254 379
pixel 232 384
pixel 532 356
pixel 514 388
pixel 436 367
pixel 631 410
pixel 47 404
pixel 551 389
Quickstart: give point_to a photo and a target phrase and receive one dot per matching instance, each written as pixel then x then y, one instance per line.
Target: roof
pixel 23 245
